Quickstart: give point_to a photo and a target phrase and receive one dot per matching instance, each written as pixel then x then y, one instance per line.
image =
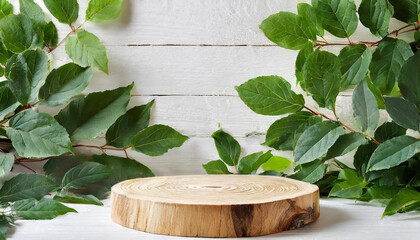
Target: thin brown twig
pixel 89 146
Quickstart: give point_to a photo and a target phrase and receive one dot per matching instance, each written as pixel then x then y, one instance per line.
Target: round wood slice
pixel 214 205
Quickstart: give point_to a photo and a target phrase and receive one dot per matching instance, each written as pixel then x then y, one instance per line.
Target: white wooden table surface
pixel 189 55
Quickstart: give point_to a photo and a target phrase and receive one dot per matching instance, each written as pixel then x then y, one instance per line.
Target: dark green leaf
pixel 64 83
pixel 32 10
pixel 66 11
pixel 38 210
pixel 5 8
pixel 406 10
pixel 321 77
pixel 128 125
pixel 4 224
pixel 157 140
pixel 308 13
pixel 346 143
pixel 316 140
pixel 393 152
pixel 50 35
pixel 387 61
pixel 351 185
pixel 228 148
pixel 403 112
pixel 409 80
pixel 375 15
pixel 354 61
pixel 6 164
pixel 56 167
pixel 252 162
pixel 85 174
pixel 8 102
pixel 216 167
pixel 85 49
pixel 4 54
pixel 88 117
pixel 388 130
pixel 103 10
pixel 300 62
pixel 25 186
pixel 276 163
pixel 403 201
pixel 272 173
pixel 288 30
pixel 270 95
pixel 27 73
pixel 311 121
pixel 68 197
pixel 310 172
pixel 326 183
pixel 19 33
pixel 365 107
pixel 381 194
pixel 338 16
pixel 396 176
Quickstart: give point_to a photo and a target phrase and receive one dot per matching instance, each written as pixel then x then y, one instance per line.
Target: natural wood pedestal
pixel 214 205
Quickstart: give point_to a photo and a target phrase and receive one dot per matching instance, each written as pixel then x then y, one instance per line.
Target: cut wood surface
pixel 214 205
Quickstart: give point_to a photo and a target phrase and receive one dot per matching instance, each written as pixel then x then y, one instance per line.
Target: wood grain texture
pixel 214 205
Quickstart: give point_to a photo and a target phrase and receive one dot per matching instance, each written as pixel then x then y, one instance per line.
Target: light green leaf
pixel 406 10
pixel 281 133
pixel 26 186
pixel 345 144
pixel 6 164
pixel 5 8
pixel 32 10
pixel 338 16
pixel 26 73
pixel 64 83
pixel 56 167
pixel 321 77
pixel 276 163
pixel 311 121
pixel 85 174
pixel 32 209
pixel 365 107
pixel 307 12
pixel 8 102
pixel 103 10
pixel 228 148
pixel 380 194
pixel 85 49
pixel 376 92
pixel 375 15
pixel 300 62
pixel 270 95
pixel 66 11
pixel 157 140
pixel 252 162
pixel 288 30
pixel 389 130
pixel 387 61
pixel 216 167
pixel 68 197
pixel 316 141
pixel 88 117
pixel 310 172
pixel 409 80
pixel 19 33
pixel 37 135
pixel 405 200
pixel 128 125
pixel 393 152
pixel 354 61
pixel 403 112
pixel 50 35
pixel 351 185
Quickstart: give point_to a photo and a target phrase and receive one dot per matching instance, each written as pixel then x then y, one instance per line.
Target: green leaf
pixel 338 16
pixel 84 175
pixel 316 140
pixel 216 167
pixel 25 186
pixel 345 144
pixel 37 135
pixel 375 15
pixel 403 112
pixel 32 10
pixel 301 129
pixel 326 183
pixel 228 148
pixel 68 197
pixel 406 10
pixel 27 73
pixel 6 164
pixel 288 30
pixel 351 185
pixel 354 61
pixel 56 167
pixel 50 35
pixel 66 11
pixel 157 140
pixel 308 13
pixel 270 95
pixel 272 173
pixel 128 125
pixel 252 162
pixel 4 54
pixel 19 33
pixel 85 49
pixel 32 209
pixel 64 83
pixel 376 92
pixel 387 61
pixel 4 224
pixel 281 133
pixel 365 107
pixel 381 194
pixel 310 172
pixel 405 200
pixel 103 10
pixel 276 163
pixel 409 80
pixel 396 176
pixel 300 62
pixel 393 152
pixel 388 130
pixel 8 102
pixel 88 117
pixel 321 76
pixel 5 8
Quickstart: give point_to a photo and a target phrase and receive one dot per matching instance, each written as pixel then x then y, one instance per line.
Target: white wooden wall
pixel 189 55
